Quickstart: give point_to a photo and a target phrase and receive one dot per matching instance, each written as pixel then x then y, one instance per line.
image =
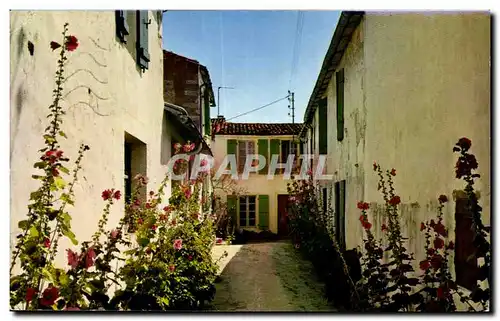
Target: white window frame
pixel 247 210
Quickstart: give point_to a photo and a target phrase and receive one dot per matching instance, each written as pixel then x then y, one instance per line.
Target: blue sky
pixel 253 51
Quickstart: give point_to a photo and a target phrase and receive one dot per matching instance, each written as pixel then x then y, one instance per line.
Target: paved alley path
pixel 267 277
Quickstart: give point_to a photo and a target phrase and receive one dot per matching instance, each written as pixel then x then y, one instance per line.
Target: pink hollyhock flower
pixel 72 258
pixel 178 244
pixel 89 258
pixel 190 258
pixel 115 233
pixel 203 162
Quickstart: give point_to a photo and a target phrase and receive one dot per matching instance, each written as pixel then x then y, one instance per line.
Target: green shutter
pixel 206 113
pixel 263 150
pixel 340 104
pixel 122 29
pixel 142 44
pixel 231 146
pixel 232 205
pixel 274 149
pixel 263 212
pixel 323 126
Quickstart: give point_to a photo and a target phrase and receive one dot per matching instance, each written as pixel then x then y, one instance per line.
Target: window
pixel 122 28
pixel 245 147
pixel 340 104
pixel 289 147
pixel 247 210
pixel 466 268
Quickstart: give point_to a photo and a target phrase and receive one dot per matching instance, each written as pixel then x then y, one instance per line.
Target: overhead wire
pixel 259 108
pixel 296 47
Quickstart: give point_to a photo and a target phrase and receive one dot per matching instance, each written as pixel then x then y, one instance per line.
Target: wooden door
pixel 283 230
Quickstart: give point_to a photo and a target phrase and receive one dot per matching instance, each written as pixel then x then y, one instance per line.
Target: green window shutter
pixel 206 113
pixel 142 45
pixel 340 104
pixel 263 150
pixel 323 126
pixel 232 206
pixel 122 29
pixel 231 146
pixel 274 149
pixel 263 212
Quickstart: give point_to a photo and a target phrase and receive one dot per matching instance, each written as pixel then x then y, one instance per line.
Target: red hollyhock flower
pixel 49 296
pixel 361 218
pixel 148 205
pixel 54 45
pixel 464 143
pixel 424 265
pixel 117 195
pixel 363 206
pixel 30 293
pixel 163 217
pixel 107 194
pixel 187 193
pixel 171 268
pixel 89 258
pixel 190 258
pixel 432 224
pixel 71 43
pixel 451 245
pixel 72 258
pixel 436 261
pixel 55 172
pixel 440 293
pixel 384 228
pixel 153 227
pixel 174 222
pixel 367 225
pixel 46 242
pixel 167 208
pixel 438 243
pixel 395 200
pixel 422 226
pixel 59 153
pixel 431 251
pixel 393 172
pixel 375 166
pixel 440 229
pixel 443 199
pixel 140 221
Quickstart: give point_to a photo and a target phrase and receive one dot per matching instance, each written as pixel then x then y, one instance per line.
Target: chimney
pixel 221 118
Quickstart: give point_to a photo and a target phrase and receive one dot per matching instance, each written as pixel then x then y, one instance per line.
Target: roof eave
pixel 348 22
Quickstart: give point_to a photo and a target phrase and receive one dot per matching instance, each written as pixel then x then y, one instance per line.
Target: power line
pixel 259 108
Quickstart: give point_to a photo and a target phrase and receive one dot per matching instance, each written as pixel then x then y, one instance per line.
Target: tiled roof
pixel 222 127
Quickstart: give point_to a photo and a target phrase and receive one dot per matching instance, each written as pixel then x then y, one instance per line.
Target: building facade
pixel 114 102
pixel 259 203
pixel 400 90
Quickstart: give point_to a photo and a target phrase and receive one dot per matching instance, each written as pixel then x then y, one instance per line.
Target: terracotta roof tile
pixel 222 127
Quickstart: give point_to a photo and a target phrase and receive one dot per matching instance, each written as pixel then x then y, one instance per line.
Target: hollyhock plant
pixel 73 258
pixel 30 294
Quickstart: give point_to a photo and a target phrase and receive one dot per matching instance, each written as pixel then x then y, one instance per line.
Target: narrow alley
pixel 266 277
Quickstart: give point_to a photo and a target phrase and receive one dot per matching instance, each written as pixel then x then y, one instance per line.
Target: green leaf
pixel 23 224
pixel 37 177
pixel 47 275
pixel 40 165
pixel 64 170
pixel 66 232
pixel 63 134
pixel 143 241
pixel 49 139
pixel 34 231
pixel 35 195
pixel 66 218
pixel 67 199
pixel 59 182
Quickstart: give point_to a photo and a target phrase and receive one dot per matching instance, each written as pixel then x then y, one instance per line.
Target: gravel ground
pixel 266 277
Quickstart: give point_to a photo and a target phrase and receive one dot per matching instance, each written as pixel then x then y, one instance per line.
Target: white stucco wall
pixel 133 103
pixel 414 84
pixel 256 184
